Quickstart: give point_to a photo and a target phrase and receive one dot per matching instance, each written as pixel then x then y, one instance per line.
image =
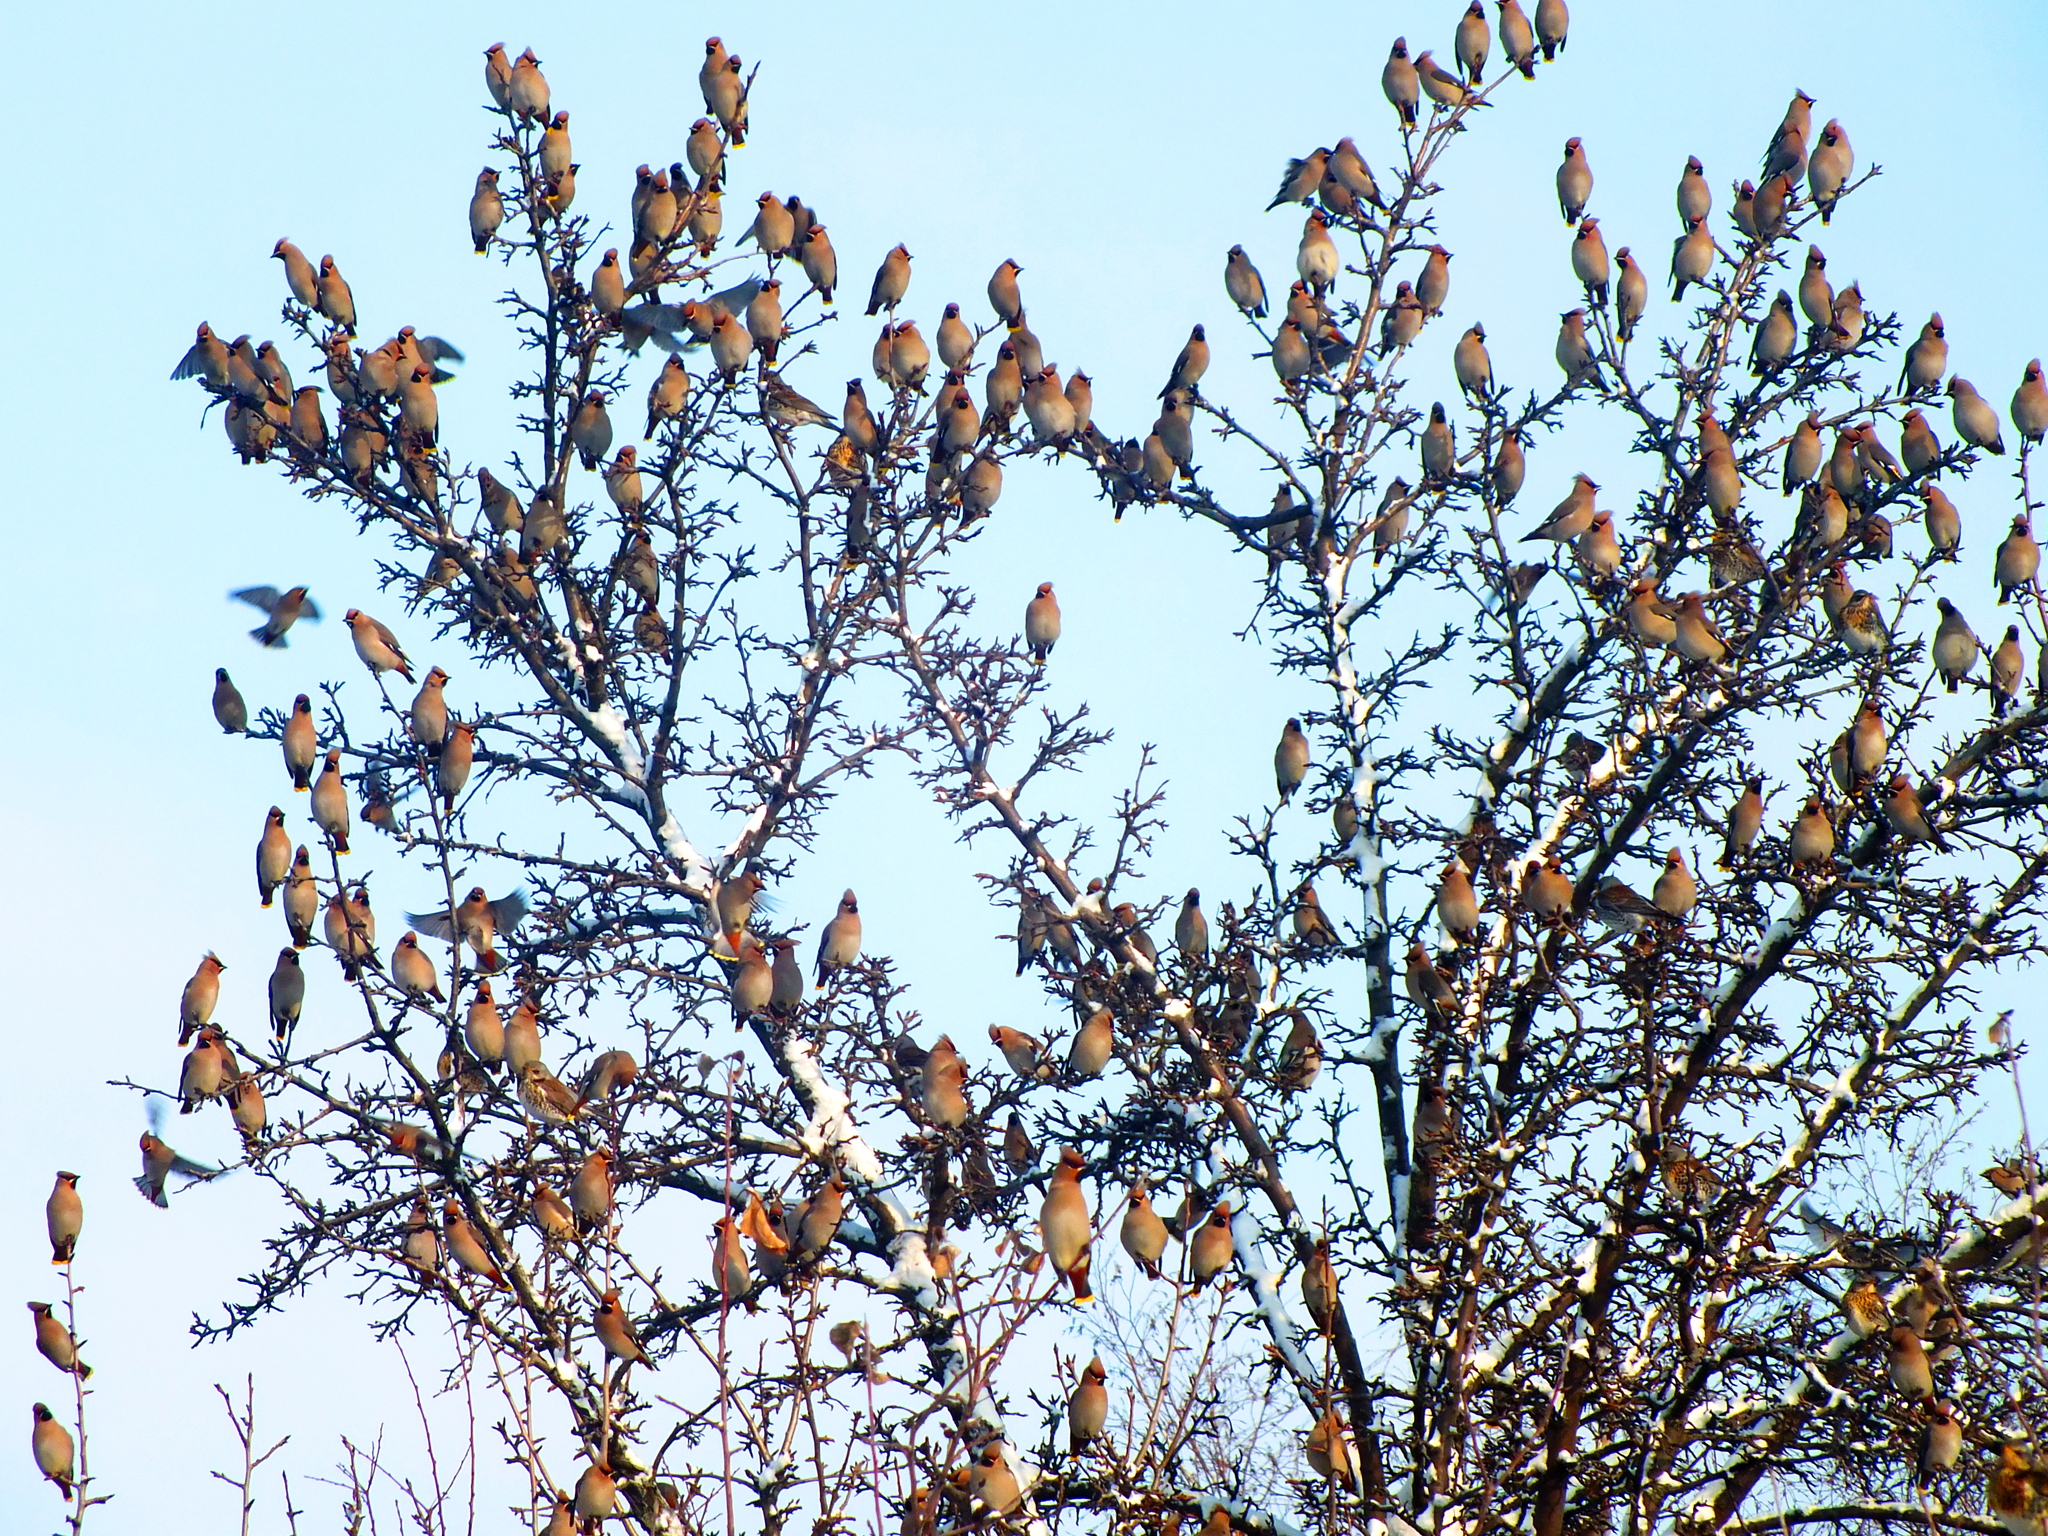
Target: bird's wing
pixel 510 911
pixel 434 349
pixel 180 1163
pixel 384 634
pixel 435 925
pixel 192 364
pixel 308 609
pixel 735 299
pixel 259 597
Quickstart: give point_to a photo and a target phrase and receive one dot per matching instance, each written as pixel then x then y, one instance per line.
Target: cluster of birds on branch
pixel 389 411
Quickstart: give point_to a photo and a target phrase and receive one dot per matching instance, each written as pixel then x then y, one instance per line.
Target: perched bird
pixel 991 1484
pixel 1570 517
pixel 1064 1227
pixel 1212 1246
pixel 1955 646
pixel 1191 930
pixel 1190 365
pixel 1546 890
pixel 1926 359
pixel 545 1096
pixel 1311 926
pixel 1023 1052
pixel 1697 639
pixel 286 991
pixel 1864 1309
pixel 1472 40
pixel 1401 85
pixel 1692 258
pixel 1444 89
pixel 1290 760
pixel 1143 1233
pixel 333 299
pixel 1976 423
pixel 1301 1057
pixel 63 1217
pixel 1812 839
pixel 1675 890
pixel 1828 168
pixel 2008 672
pixel 452 767
pixel 229 710
pixel 1551 21
pixel 1777 338
pixel 892 281
pixel 615 1331
pixel 1018 1151
pixel 301 898
pixel 1042 623
pixel 1316 259
pixel 202 993
pixel 1906 1363
pixel 55 1454
pixel 413 973
pixel 1092 1046
pixel 818 261
pixel 1471 365
pixel 944 1084
pixel 1621 908
pixel 330 802
pixel 282 610
pixel 1319 1286
pixel 2018 562
pixel 1457 906
pixel 611 1072
pixel 1574 353
pixel 466 1245
pixel 1426 986
pixel 1745 820
pixel 1574 181
pixel 1941 1443
pixel 1907 818
pixel 377 646
pixel 1087 1407
pixel 55 1343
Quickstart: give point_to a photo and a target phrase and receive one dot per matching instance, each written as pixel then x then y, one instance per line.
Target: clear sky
pixel 1116 152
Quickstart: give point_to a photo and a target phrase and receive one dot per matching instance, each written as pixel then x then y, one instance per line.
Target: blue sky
pixel 1116 152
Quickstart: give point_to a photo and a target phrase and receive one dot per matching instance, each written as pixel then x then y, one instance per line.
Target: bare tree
pixel 1606 1273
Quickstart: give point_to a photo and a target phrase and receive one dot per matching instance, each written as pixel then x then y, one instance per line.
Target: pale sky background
pixel 1116 152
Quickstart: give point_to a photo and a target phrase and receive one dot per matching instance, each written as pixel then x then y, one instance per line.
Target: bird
pixel 1401 85
pixel 1864 1309
pixel 55 1343
pixel 1290 760
pixel 54 1451
pixel 785 407
pixel 1955 646
pixel 2018 561
pixel 1472 40
pixel 2016 1492
pixel 1093 1044
pixel 1976 423
pixel 1311 925
pixel 1907 1364
pixel 1470 364
pixel 1697 639
pixel 1574 181
pixel 1457 906
pixel 1828 168
pixel 1621 908
pixel 1570 517
pixel 1546 889
pixel 545 1097
pixel 2008 672
pixel 1444 89
pixel 377 646
pixel 1692 258
pixel 1191 930
pixel 1190 365
pixel 1941 1443
pixel 1675 890
pixel 202 992
pixel 333 299
pixel 1143 1233
pixel 892 281
pixel 615 1331
pixel 1316 259
pixel 1551 22
pixel 1042 624
pixel 1087 1407
pixel 1064 1228
pixel 1426 986
pixel 1745 820
pixel 159 1162
pixel 1319 1286
pixel 944 1080
pixel 1907 818
pixel 281 610
pixel 330 802
pixel 1212 1246
pixel 1022 1051
pixel 1812 838
pixel 63 1217
pixel 1575 355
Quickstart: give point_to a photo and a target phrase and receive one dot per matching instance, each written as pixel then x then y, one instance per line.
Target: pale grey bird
pixel 1976 422
pixel 1444 89
pixel 1402 86
pixel 1828 168
pixel 1552 19
pixel 486 210
pixel 333 299
pixel 1316 259
pixel 1518 38
pixel 1299 181
pixel 1575 354
pixel 1574 181
pixel 527 92
pixel 1955 647
pixel 1692 259
pixel 1589 259
pixel 1695 197
pixel 1349 170
pixel 1401 321
pixel 1433 282
pixel 1570 517
pixel 1470 363
pixel 1777 337
pixel 1471 42
pixel 2030 404
pixel 1631 293
pixel 1241 281
pixel 1926 359
pixel 1439 447
pixel 892 281
pixel 498 76
pixel 299 275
